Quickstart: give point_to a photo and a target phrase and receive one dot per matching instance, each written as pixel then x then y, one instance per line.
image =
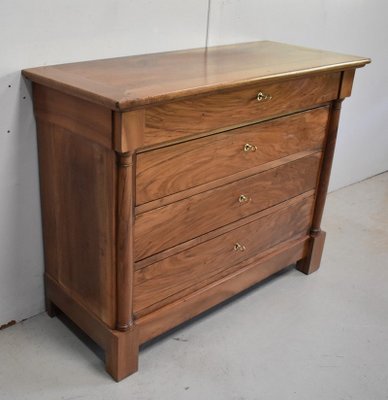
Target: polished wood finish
pixel 347 83
pixel 176 168
pixel 121 348
pixel 165 227
pixel 327 164
pixel 312 263
pixel 174 120
pixel 124 251
pixel 172 181
pixel 128 130
pixel 217 232
pixel 126 82
pixel 200 285
pixel 176 273
pixel 85 119
pixel 77 179
pixel 244 275
pixel 175 197
pixel 121 356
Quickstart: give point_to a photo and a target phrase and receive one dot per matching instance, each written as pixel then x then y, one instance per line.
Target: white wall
pixel 43 32
pixel 350 26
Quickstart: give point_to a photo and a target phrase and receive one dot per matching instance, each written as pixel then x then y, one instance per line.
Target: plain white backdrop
pixel 46 32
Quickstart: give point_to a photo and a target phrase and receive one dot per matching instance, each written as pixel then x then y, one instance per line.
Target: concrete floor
pixel 292 337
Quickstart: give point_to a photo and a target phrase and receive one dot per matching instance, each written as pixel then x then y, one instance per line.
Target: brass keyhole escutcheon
pixel 243 199
pixel 239 247
pixel 263 96
pixel 249 147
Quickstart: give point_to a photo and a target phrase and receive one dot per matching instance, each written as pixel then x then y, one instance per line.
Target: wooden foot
pixel 51 308
pixel 311 263
pixel 122 353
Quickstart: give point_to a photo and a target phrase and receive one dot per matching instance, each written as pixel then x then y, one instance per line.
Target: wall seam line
pixel 207 24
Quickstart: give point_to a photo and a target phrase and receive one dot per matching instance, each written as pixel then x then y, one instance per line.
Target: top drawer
pixel 175 120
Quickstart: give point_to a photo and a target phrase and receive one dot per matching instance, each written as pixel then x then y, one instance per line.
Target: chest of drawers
pixel 172 181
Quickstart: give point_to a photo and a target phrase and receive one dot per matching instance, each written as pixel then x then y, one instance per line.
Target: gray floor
pixel 293 337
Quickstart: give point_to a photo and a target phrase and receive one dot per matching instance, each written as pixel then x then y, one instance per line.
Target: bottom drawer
pixel 189 267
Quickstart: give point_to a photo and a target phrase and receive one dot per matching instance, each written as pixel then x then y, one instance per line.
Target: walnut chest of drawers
pixel 172 181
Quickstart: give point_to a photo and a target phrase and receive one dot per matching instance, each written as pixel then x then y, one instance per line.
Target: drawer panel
pixel 175 168
pixel 189 267
pixel 175 120
pixel 167 226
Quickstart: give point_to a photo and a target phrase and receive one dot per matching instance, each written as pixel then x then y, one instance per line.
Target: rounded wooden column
pixel 327 163
pixel 313 260
pixel 124 250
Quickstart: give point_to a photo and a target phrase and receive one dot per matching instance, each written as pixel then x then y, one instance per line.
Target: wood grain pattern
pixel 174 120
pixel 178 196
pixel 127 82
pixel 199 285
pixel 121 354
pixel 167 226
pixel 77 179
pixel 176 168
pixel 128 130
pixel 312 261
pixel 327 163
pixel 250 272
pixel 121 348
pixel 124 241
pixel 162 279
pixel 347 83
pixel 143 157
pixel 77 312
pixel 88 120
pixel 220 231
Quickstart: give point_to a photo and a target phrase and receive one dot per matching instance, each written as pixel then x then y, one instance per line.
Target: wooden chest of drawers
pixel 171 182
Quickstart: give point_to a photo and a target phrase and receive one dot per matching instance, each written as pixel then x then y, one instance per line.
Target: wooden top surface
pixel 126 82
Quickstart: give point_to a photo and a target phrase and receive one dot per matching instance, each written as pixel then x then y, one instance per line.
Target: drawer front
pixel 167 226
pixel 189 267
pixel 175 168
pixel 175 120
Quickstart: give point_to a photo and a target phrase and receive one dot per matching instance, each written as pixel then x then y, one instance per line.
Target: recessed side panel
pixel 77 180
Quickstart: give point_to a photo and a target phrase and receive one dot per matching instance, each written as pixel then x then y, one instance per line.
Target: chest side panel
pixel 77 179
